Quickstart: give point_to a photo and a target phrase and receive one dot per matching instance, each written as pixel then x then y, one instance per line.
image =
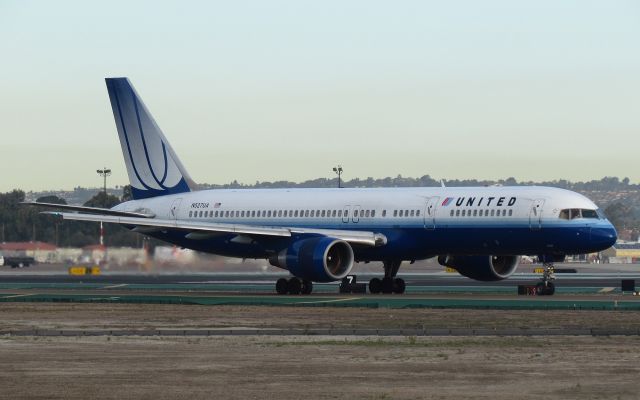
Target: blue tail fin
pixel 152 165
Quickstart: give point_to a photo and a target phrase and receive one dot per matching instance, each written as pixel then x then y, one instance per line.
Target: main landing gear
pixel 388 284
pixel 294 285
pixel 546 287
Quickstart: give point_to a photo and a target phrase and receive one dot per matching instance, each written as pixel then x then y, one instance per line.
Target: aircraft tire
pixel 399 286
pixel 551 289
pixel 282 286
pixel 375 286
pixel 307 287
pixel 294 286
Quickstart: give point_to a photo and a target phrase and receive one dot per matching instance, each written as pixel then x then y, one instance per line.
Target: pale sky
pixel 285 90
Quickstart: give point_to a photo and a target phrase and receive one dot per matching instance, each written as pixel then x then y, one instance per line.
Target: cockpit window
pixel 573 213
pixel 589 214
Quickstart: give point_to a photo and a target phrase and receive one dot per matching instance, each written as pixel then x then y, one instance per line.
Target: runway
pixel 424 290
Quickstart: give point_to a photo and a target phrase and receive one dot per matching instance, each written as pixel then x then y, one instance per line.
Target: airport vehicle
pixel 318 234
pixel 16 261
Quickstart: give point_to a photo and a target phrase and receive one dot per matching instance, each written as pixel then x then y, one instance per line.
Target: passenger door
pixel 535 214
pixel 356 214
pixel 345 214
pixel 430 213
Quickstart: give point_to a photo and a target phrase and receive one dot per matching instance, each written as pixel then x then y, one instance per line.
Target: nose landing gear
pixel 546 286
pixel 388 284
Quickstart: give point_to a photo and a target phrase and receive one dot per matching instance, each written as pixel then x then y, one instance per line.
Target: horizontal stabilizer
pixel 90 210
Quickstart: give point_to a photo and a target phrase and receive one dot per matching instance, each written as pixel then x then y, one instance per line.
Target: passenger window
pixel 510 213
pixel 373 213
pixel 346 213
pixel 504 213
pixel 306 213
pixel 475 213
pixel 406 213
pixel 190 214
pixel 395 213
pixel 242 214
pixel 322 213
pixel 417 213
pixel 367 213
pixel 457 213
pixel 463 213
pixel 451 213
pixel 384 213
pixel 412 213
pixel 279 213
pixel 492 212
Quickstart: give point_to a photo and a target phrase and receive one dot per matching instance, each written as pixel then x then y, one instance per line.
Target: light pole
pixel 103 173
pixel 338 170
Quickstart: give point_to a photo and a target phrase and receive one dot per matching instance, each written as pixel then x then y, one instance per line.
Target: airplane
pixel 319 234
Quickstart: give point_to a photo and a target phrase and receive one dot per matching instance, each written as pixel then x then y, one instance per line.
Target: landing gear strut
pixel 388 284
pixel 546 287
pixel 294 286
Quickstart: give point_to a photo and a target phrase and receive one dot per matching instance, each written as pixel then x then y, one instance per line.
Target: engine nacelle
pixel 318 259
pixel 482 268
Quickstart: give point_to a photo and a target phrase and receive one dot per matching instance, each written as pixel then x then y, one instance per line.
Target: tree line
pixel 20 223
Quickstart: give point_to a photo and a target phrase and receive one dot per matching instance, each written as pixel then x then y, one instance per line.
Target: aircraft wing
pixel 203 230
pixel 90 210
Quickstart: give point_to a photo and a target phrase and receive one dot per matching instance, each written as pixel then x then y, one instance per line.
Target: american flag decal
pixel 447 201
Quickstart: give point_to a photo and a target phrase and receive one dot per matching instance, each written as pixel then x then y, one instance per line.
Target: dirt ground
pixel 149 316
pixel 269 367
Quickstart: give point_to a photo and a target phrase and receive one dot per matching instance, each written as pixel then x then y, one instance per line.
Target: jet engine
pixel 482 268
pixel 318 259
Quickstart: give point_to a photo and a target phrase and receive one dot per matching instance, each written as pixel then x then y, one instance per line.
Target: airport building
pixel 623 253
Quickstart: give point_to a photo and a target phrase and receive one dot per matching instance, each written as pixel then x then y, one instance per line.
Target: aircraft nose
pixel 603 237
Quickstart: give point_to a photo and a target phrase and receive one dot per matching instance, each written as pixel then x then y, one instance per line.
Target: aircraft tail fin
pixel 153 167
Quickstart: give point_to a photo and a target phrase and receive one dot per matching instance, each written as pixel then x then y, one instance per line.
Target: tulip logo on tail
pixel 152 166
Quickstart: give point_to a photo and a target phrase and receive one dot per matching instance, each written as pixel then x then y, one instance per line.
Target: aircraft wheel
pixel 551 289
pixel 294 285
pixel 282 286
pixel 387 285
pixel 399 286
pixel 307 287
pixel 375 286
